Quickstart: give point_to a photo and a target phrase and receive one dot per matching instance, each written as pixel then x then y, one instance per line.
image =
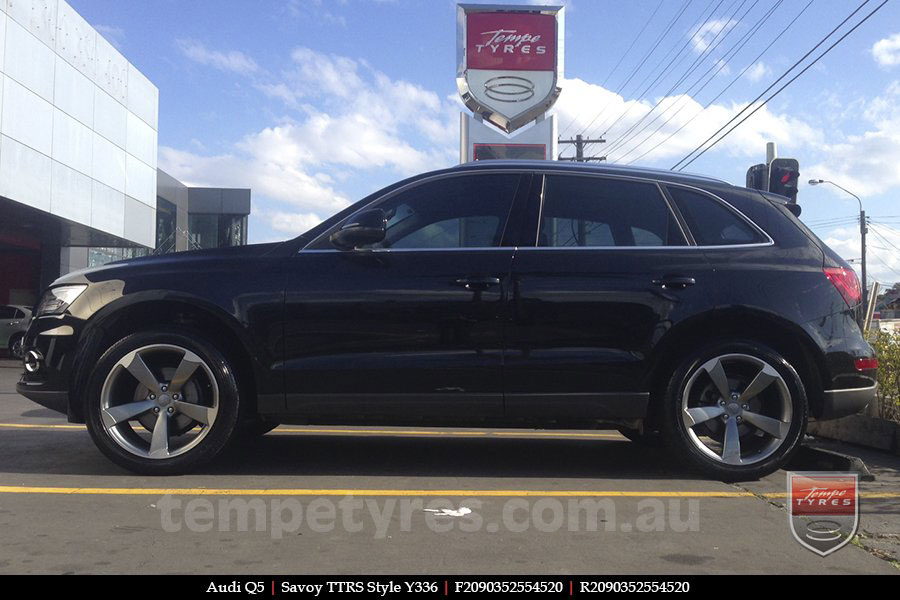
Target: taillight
pixel 865 364
pixel 846 282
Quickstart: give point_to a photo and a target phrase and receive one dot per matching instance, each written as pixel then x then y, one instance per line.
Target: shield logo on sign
pixel 508 62
pixel 823 510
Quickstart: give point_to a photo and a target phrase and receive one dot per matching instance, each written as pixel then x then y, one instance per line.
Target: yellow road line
pixel 411 432
pixel 39 426
pixel 8 489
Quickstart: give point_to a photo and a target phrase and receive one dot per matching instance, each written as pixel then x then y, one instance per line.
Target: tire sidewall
pixel 221 431
pixel 676 434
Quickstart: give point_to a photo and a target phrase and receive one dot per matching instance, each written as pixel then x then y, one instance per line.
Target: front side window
pixel 598 212
pixel 468 211
pixel 711 222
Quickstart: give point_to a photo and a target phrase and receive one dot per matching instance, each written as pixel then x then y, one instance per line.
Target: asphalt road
pixel 389 500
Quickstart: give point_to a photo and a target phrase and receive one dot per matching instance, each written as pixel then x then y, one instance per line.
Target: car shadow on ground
pixel 73 453
pixel 469 457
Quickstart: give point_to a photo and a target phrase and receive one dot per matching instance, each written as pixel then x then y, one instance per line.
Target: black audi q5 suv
pixel 677 309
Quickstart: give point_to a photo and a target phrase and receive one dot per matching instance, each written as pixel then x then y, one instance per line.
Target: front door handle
pixel 674 282
pixel 478 284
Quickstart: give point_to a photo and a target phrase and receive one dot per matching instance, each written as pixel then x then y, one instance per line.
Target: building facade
pixel 78 153
pixel 187 218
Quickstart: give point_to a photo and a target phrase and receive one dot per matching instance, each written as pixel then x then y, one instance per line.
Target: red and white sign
pixel 824 509
pixel 510 61
pixel 511 42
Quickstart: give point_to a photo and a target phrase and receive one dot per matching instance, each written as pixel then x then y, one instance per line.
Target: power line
pixel 662 72
pixel 580 143
pixel 621 58
pixel 726 88
pixel 692 91
pixel 631 134
pixel 691 68
pixel 643 60
pixel 774 83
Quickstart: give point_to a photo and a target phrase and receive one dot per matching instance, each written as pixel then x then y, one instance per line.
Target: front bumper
pixel 842 403
pixel 52 399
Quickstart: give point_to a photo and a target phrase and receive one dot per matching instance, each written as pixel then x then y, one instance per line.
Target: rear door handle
pixel 674 282
pixel 478 283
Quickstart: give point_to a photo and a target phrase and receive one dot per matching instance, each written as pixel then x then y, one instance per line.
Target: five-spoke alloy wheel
pixel 736 410
pixel 161 402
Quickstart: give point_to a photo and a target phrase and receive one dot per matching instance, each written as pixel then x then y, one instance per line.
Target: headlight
pixel 57 300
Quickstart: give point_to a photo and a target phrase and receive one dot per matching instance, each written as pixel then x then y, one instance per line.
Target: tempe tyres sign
pixel 509 61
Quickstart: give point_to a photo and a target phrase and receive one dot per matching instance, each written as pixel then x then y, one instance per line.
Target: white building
pixel 78 148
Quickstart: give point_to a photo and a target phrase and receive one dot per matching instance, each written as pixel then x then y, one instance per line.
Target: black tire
pixel 255 428
pixel 765 452
pixel 216 369
pixel 644 437
pixel 16 350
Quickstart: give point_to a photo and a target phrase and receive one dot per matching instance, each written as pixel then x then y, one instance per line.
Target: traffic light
pixel 784 174
pixel 756 177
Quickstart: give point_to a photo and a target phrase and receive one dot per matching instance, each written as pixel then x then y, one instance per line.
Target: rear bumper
pixel 841 403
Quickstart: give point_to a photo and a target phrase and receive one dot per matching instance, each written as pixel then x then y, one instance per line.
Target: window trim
pixel 663 196
pixel 728 206
pixel 543 173
pixel 419 182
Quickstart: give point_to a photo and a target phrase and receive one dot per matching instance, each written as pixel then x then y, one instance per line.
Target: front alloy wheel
pixel 739 411
pixel 161 402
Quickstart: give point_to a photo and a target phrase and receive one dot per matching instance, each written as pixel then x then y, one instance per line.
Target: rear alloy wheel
pixel 161 403
pixel 737 411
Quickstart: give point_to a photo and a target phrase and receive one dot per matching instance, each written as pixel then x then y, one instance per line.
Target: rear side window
pixel 7 312
pixel 711 222
pixel 597 212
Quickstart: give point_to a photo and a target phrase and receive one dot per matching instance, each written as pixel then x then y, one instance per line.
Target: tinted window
pixel 711 222
pixel 592 211
pixel 467 211
pixel 7 312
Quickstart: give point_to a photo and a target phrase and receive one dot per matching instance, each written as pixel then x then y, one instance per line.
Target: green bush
pixel 887 346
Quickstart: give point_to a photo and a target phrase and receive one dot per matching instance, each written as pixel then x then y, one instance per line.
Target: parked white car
pixel 13 323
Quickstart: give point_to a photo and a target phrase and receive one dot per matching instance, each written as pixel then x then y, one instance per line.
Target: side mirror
pixel 362 229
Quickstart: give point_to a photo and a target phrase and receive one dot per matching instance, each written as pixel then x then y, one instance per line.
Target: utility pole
pixel 579 143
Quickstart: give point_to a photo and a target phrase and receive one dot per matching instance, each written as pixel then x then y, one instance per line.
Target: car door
pixel 8 324
pixel 412 326
pixel 606 275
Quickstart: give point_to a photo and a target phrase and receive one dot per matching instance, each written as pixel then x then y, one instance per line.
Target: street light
pixel 862 236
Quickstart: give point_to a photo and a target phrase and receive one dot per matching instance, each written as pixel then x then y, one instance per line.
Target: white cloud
pixel 867 163
pixel 584 100
pixel 882 257
pixel 887 51
pixel 314 9
pixel 290 223
pixel 704 35
pixel 113 35
pixel 233 60
pixel 347 120
pixel 758 71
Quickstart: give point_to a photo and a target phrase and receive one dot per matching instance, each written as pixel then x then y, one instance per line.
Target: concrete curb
pixel 863 430
pixel 810 458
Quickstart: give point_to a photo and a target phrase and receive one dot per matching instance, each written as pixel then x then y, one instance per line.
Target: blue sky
pixel 314 103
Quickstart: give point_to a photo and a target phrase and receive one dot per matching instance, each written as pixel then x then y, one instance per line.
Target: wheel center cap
pixel 733 409
pixel 163 400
